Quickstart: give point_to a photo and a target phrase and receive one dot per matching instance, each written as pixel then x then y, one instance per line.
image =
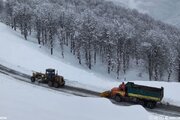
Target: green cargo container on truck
pixel 144 95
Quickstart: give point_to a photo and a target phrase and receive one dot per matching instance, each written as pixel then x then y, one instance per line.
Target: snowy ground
pixel 21 101
pixel 25 56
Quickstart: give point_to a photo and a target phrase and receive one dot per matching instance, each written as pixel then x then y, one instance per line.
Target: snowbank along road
pixel 168 110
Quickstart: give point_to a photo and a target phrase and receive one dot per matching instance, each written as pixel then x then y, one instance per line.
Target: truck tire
pixel 141 102
pixel 50 83
pixel 56 85
pixel 151 104
pixel 117 98
pixel 33 79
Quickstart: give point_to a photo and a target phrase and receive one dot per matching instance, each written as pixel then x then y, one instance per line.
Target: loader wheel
pixel 62 84
pixel 50 83
pixel 56 85
pixel 118 98
pixel 33 79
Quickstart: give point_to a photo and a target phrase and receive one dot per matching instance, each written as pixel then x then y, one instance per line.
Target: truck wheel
pixel 141 102
pixel 151 105
pixel 56 85
pixel 118 98
pixel 32 79
pixel 50 83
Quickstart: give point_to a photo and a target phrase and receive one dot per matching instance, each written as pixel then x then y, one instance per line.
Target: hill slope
pixel 28 56
pixel 25 56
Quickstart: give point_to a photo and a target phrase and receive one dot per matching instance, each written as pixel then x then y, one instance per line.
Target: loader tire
pixel 33 79
pixel 56 85
pixel 50 83
pixel 62 84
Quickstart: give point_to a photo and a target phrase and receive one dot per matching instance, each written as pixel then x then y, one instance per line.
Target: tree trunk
pixel 79 56
pixel 156 73
pixel 169 74
pixel 95 56
pixel 51 40
pixel 118 68
pixel 62 50
pixel 124 63
pixel 109 63
pixel 109 58
pixel 25 30
pixel 179 71
pixel 38 36
pixel 14 24
pixel 150 67
pixel 51 50
pixel 89 60
pixel 86 56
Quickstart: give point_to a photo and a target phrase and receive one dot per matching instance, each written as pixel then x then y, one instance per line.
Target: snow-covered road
pixel 73 90
pixel 21 101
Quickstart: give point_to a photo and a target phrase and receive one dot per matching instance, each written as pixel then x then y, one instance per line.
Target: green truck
pixel 143 95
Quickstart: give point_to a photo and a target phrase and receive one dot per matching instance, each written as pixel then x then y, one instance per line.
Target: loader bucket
pixel 106 94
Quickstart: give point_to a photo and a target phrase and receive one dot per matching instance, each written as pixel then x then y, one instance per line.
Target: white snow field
pixel 25 56
pixel 22 101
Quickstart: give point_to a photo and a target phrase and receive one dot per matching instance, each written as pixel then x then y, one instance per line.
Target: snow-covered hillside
pixel 25 56
pixel 28 56
pixel 164 10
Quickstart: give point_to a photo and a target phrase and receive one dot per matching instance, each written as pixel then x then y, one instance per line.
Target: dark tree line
pixel 1 6
pixel 97 29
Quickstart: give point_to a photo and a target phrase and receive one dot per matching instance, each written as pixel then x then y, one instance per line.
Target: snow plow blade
pixel 106 94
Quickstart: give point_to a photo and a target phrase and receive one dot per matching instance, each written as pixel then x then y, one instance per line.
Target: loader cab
pixel 50 73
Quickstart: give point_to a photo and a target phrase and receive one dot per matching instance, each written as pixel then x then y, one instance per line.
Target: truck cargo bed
pixel 144 92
